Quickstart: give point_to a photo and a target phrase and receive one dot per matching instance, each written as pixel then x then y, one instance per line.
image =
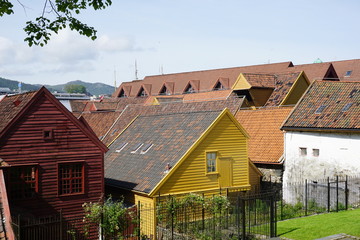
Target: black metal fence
pixel 237 216
pixel 320 196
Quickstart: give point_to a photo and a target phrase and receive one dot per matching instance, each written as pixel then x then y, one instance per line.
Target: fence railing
pixel 318 196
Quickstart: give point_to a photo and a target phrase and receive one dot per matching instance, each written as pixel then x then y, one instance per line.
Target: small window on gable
pixel 303 151
pixel 137 146
pixel 48 133
pixel 346 107
pixel 122 94
pixel 145 148
pixel 142 93
pixel 316 152
pixel 320 109
pixel 211 162
pixel 121 147
pixel 164 91
pixel 189 89
pixel 218 86
pixel 348 73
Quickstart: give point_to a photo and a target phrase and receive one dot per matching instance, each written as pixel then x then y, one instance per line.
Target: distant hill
pixel 92 88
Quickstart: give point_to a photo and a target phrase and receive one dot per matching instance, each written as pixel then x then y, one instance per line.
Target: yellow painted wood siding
pixel 241 83
pixel 296 92
pixel 230 143
pixel 147 215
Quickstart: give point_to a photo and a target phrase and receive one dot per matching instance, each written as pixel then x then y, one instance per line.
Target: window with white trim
pixel 211 162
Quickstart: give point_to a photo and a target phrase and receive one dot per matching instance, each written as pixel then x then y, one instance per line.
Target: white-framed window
pixel 211 162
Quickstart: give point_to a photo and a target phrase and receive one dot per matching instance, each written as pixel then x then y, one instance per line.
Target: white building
pixel 322 134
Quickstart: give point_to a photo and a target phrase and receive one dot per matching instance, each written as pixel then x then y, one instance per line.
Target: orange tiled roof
pixel 327 105
pixel 266 143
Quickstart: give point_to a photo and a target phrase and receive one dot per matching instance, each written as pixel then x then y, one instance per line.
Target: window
pixel 303 151
pixel 142 93
pixel 211 162
pixel 348 73
pixel 23 182
pixel 145 148
pixel 189 89
pixel 48 134
pixel 121 147
pixel 164 91
pixel 122 94
pixel 316 152
pixel 137 146
pixel 218 86
pixel 71 178
pixel 320 109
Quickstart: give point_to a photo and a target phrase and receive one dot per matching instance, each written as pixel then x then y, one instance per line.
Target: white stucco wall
pixel 339 154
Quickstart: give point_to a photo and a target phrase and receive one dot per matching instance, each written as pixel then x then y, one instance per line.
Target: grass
pixel 319 226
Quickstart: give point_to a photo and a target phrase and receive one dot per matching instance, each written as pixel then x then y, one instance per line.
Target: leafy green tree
pixel 75 88
pixel 56 15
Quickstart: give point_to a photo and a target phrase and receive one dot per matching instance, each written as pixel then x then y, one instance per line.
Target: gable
pixel 229 139
pixel 241 83
pixel 296 91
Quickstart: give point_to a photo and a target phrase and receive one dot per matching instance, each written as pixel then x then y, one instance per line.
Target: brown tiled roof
pixel 172 135
pixel 133 110
pixel 100 122
pixel 283 84
pixel 266 143
pixel 202 80
pixel 77 105
pixel 322 107
pixel 10 106
pixel 315 71
pixel 342 67
pixel 260 80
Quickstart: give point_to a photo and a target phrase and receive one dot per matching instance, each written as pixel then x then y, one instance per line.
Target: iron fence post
pixel 272 217
pixel 346 193
pixel 138 221
pixel 337 193
pixel 328 193
pixel 306 197
pixel 243 220
pixel 61 225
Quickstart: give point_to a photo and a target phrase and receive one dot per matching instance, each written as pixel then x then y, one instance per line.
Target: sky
pixel 180 36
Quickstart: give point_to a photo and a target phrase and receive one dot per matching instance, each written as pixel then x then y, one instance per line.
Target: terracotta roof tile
pixel 266 143
pixel 343 69
pixel 171 135
pixel 322 107
pixel 10 106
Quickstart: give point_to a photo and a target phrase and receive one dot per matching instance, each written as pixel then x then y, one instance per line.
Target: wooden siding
pixel 147 215
pixel 254 177
pixel 241 83
pixel 297 91
pixel 230 143
pixel 24 144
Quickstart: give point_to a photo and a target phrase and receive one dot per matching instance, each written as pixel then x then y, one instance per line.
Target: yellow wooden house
pixel 178 153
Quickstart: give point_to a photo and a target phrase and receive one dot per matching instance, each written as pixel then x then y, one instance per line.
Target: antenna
pixel 136 71
pixel 161 70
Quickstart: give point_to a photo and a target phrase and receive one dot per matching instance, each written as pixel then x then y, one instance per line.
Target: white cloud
pixel 107 44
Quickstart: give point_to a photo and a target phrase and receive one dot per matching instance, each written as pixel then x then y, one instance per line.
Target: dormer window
pixel 122 94
pixel 164 91
pixel 189 89
pixel 137 146
pixel 145 148
pixel 142 93
pixel 348 73
pixel 219 86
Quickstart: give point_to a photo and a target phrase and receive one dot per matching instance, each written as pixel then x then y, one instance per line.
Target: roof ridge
pixel 179 113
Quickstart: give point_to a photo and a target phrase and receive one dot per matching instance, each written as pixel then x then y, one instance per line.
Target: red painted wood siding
pixel 25 145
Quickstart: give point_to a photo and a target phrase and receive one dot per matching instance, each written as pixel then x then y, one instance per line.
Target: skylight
pixel 320 109
pixel 348 73
pixel 346 107
pixel 121 147
pixel 136 147
pixel 145 148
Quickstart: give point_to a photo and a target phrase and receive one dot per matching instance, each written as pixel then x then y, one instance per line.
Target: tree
pixel 56 15
pixel 75 88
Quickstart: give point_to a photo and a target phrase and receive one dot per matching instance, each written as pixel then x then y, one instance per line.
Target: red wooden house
pixel 51 161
